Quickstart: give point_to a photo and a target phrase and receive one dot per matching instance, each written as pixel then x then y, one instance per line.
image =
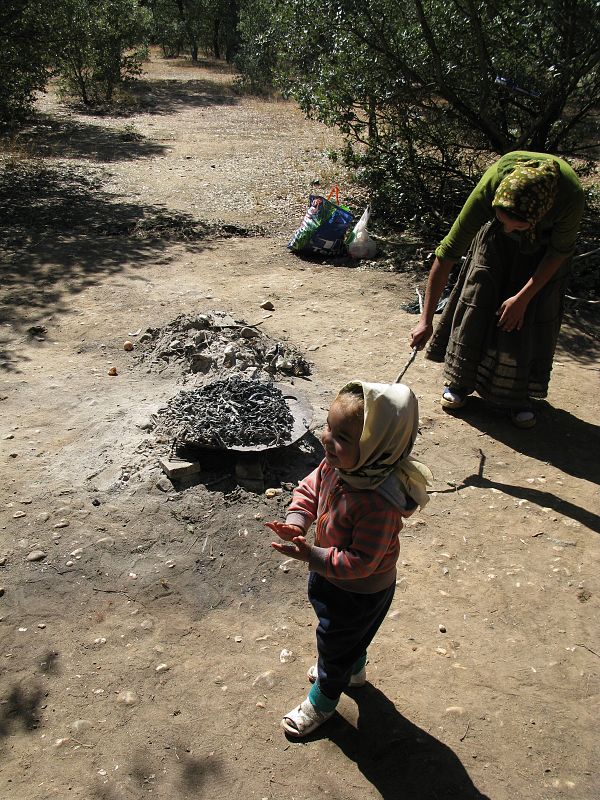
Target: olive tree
pixel 422 88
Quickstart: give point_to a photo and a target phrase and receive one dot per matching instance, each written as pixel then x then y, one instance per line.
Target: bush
pixel 24 32
pixel 102 45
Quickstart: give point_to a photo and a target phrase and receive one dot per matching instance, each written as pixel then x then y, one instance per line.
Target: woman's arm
pixel 436 282
pixel 512 311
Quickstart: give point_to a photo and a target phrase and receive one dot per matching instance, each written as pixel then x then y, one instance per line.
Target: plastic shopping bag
pixel 360 244
pixel 324 228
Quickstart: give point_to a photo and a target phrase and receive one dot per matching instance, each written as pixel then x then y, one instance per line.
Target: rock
pixel 108 541
pixel 81 725
pixel 19 514
pixel 238 639
pixel 267 305
pixel 62 742
pixel 179 468
pixel 249 333
pixel 36 555
pixel 442 628
pixel 43 517
pixel 229 355
pixel 457 710
pixel 394 614
pixel 2 591
pixel 265 680
pixel 161 667
pixel 128 345
pixel 41 625
pixel 286 656
pixel 164 485
pixel 200 362
pixel 112 372
pixel 64 523
pixel 3 561
pixel 272 492
pixel 127 698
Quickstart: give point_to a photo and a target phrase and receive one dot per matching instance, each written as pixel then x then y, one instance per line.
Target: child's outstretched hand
pixel 285 531
pixel 297 549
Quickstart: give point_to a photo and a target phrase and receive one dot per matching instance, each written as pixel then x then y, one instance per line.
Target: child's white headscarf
pixel 389 432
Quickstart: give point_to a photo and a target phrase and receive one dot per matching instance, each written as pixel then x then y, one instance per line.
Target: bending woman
pixel 498 331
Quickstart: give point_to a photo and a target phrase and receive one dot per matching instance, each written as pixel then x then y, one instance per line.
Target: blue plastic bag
pixel 324 228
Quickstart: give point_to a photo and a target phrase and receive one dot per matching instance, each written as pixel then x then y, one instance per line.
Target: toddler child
pixel 358 495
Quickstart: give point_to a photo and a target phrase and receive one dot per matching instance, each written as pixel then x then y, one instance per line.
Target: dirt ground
pixel 141 649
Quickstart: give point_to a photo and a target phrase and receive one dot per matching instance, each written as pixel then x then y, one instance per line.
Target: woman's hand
pixel 298 549
pixel 512 313
pixel 421 334
pixel 285 531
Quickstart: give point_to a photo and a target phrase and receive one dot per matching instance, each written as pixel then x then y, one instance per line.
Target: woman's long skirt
pixel 503 367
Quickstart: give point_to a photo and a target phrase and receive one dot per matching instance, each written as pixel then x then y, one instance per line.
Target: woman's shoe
pixel 453 399
pixel 523 417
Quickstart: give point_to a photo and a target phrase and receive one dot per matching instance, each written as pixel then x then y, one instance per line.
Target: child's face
pixel 341 437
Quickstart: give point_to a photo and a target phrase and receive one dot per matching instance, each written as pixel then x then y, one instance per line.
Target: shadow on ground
pixel 400 760
pixel 169 96
pixel 574 451
pixel 560 438
pixel 60 233
pixel 578 338
pixel 20 710
pixel 70 138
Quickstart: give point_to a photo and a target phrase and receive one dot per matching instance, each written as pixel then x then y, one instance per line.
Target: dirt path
pixel 142 653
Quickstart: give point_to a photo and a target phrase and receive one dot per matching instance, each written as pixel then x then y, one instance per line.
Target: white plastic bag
pixel 361 245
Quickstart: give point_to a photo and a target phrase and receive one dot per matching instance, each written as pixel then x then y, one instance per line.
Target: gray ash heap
pixel 214 342
pixel 229 413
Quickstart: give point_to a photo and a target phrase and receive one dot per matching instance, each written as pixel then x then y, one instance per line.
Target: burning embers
pixel 229 414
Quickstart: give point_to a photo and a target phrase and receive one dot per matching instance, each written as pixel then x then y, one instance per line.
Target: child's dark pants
pixel 348 621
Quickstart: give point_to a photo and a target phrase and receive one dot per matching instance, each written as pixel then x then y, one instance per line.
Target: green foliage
pixel 209 26
pixel 168 29
pixel 423 90
pixel 101 45
pixel 24 30
pixel 257 56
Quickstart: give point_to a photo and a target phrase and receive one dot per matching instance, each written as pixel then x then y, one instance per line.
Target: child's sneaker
pixel 356 681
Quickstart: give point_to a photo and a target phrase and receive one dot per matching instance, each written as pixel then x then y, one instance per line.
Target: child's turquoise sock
pixel 360 664
pixel 320 701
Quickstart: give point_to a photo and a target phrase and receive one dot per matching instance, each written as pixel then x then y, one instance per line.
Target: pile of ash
pixel 213 342
pixel 228 413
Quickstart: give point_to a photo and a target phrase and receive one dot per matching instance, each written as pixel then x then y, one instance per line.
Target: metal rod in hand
pixel 412 357
pixel 414 351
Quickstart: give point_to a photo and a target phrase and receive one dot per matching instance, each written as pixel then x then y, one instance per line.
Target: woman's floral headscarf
pixel 529 190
